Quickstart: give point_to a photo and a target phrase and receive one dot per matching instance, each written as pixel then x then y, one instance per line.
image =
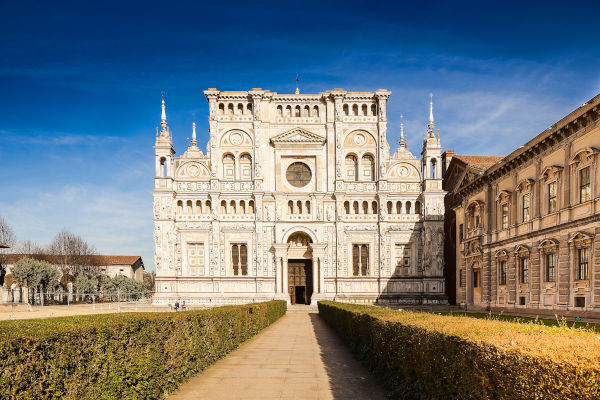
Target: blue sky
pixel 80 87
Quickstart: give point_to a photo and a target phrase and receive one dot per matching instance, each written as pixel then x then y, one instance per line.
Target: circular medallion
pixel 235 139
pixel 360 139
pixel 193 170
pixel 403 171
pixel 298 174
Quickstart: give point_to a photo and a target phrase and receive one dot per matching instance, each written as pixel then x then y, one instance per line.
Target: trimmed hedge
pixel 430 356
pixel 121 356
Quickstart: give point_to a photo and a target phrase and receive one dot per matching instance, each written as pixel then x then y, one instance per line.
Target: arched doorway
pixel 300 269
pixel 476 283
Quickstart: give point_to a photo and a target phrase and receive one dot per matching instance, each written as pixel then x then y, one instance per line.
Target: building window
pixel 502 273
pixel 298 174
pixel 504 212
pixel 460 232
pixel 526 207
pixel 195 258
pixel 585 193
pixel 239 258
pixel 360 259
pixel 579 301
pixel 550 266
pixel 524 270
pixel 551 197
pixel 476 275
pixel 582 263
pixel 403 255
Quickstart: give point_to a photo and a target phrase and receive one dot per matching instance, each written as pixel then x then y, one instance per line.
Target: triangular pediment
pixel 298 136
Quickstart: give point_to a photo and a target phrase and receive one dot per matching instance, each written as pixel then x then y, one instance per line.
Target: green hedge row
pixel 121 356
pixel 430 356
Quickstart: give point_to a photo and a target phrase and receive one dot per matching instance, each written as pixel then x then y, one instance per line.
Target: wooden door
pixel 299 281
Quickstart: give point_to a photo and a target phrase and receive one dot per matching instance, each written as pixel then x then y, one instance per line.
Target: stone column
pixel 278 268
pixel 285 275
pixel 316 274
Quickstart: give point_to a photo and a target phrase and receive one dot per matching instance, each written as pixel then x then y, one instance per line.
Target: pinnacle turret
pixel 430 125
pixel 164 131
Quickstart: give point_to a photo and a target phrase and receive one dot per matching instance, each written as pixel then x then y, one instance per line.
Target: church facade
pixel 298 198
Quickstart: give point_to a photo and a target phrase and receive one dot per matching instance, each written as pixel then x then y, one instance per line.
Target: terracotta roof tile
pixel 481 162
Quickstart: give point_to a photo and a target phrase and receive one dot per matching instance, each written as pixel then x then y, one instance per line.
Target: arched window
pixel 347 207
pixel 373 110
pixel 246 167
pixel 355 109
pixel 417 207
pixel 374 207
pixel 433 170
pixel 297 111
pixel 228 167
pixel 279 111
pixel 291 207
pixel 223 207
pixel 240 108
pixel 198 207
pixel 364 109
pixel 355 207
pixel 306 111
pixel 221 109
pixel 351 168
pixel 299 206
pixel 230 109
pixel 345 108
pixel 368 166
pixel 315 111
pixel 398 207
pixel 308 207
pixel 389 207
pixel 208 207
pixel 251 206
pixel 249 108
pixel 242 209
pixel 179 207
pixel 365 207
pixel 162 170
pixel 408 207
pixel 232 207
pixel 188 207
pixel 288 111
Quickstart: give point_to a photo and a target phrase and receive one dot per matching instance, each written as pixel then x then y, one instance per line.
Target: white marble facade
pixel 298 198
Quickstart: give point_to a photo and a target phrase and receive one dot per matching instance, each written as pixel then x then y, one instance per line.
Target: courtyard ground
pixel 25 311
pixel 298 357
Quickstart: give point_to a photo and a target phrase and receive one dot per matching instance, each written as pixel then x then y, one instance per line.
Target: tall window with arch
pixel 162 168
pixel 351 167
pixel 433 169
pixel 368 166
pixel 246 166
pixel 360 259
pixel 228 167
pixel 239 259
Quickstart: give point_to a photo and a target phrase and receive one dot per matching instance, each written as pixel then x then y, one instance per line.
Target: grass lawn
pixel 524 320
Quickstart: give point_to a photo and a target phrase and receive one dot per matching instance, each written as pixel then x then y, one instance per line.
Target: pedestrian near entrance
pixel 183 306
pixel 177 305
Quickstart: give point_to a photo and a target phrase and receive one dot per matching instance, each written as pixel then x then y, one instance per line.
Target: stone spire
pixel 297 87
pixel 194 142
pixel 430 125
pixel 164 131
pixel 402 142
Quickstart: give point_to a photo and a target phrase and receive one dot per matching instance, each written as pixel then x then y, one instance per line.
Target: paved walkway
pixel 298 357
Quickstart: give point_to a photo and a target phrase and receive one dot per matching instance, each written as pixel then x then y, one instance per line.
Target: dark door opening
pixel 300 281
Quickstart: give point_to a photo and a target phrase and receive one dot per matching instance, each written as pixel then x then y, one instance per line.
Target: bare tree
pixel 7 237
pixel 73 254
pixel 28 247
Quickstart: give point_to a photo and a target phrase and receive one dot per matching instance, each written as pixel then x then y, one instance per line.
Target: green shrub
pixel 429 356
pixel 121 356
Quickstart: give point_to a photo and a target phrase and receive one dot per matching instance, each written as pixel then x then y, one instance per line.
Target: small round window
pixel 298 174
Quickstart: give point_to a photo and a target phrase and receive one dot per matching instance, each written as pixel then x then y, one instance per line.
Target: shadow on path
pixel 348 379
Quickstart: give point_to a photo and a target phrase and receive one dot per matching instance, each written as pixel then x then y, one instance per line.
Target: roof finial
pixel 430 125
pixel 163 117
pixel 194 133
pixel 297 87
pixel 402 141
